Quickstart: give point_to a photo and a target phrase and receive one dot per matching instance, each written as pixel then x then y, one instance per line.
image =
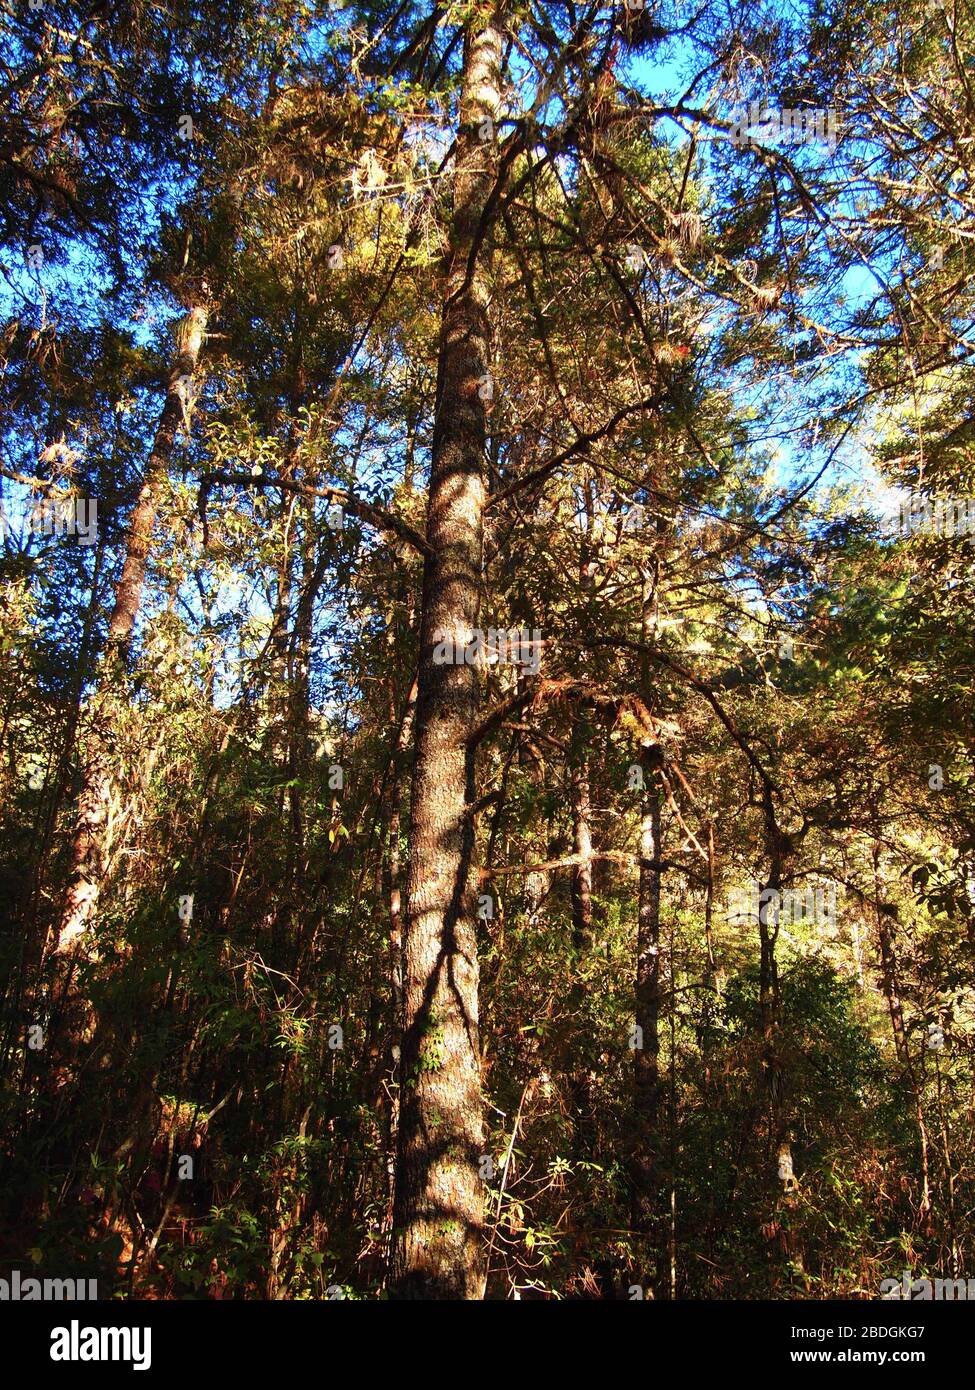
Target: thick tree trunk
pixel 88 849
pixel 438 1250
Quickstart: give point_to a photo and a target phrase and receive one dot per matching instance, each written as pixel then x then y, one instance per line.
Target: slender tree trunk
pixel 394 886
pixel 646 1055
pixel 438 1248
pixel 888 975
pixel 88 849
pixel 288 686
pixel 394 867
pixel 580 892
pixel 780 853
pixel 581 882
pixel 301 684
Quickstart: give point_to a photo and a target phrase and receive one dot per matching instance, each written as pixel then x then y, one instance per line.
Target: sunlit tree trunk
pixel 88 847
pixel 438 1249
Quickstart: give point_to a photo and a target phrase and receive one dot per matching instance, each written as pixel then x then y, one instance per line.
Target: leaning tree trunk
pixel 88 849
pixel 438 1250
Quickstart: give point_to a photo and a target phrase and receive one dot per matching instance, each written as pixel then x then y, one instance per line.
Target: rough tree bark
pixel 438 1250
pixel 88 848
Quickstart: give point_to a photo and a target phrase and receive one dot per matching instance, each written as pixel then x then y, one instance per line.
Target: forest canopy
pixel 487 507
